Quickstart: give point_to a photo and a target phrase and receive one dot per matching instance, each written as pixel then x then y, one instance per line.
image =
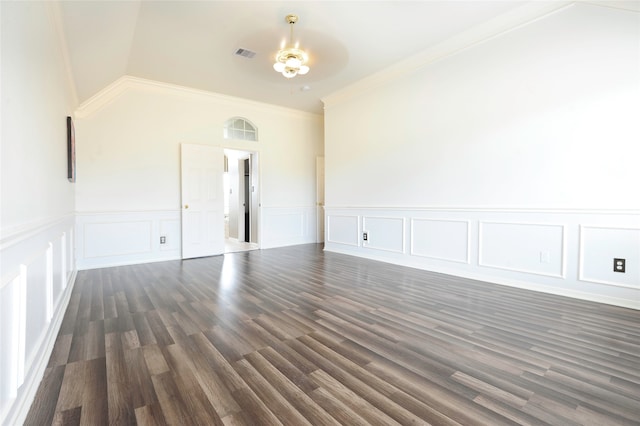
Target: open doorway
pixel 241 201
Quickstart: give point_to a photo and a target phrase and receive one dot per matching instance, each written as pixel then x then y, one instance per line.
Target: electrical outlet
pixel 619 265
pixel 163 240
pixel 365 236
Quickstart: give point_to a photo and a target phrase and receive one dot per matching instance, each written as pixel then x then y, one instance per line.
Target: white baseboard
pixel 110 264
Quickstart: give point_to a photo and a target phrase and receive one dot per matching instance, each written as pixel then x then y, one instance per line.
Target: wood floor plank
pixel 94 395
pixel 291 370
pixel 338 409
pixel 154 359
pixel 158 328
pixel 190 391
pixel 218 363
pixel 94 341
pixel 356 402
pixel 68 321
pixel 141 389
pixel 213 386
pixel 60 354
pixel 70 417
pixel 143 329
pixel 150 415
pixel 77 348
pixel 272 398
pixel 290 390
pixel 119 392
pixel 445 400
pixel 358 381
pixel 97 301
pixel 72 386
pixel 43 408
pixel 174 410
pixel 297 335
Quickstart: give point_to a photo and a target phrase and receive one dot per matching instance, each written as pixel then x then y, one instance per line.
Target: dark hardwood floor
pixel 297 336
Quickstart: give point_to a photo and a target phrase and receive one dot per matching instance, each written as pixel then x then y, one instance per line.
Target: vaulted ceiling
pixel 192 43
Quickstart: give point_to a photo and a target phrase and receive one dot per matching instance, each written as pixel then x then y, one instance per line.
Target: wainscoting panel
pixel 343 229
pixel 12 329
pixel 600 245
pixel 35 286
pixel 70 258
pixel 384 233
pixel 37 301
pixel 104 239
pixel 564 252
pixel 440 239
pixel 57 267
pixel 171 227
pixel 121 238
pixel 286 226
pixel 523 247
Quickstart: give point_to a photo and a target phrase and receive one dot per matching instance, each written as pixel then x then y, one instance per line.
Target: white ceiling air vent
pixel 245 53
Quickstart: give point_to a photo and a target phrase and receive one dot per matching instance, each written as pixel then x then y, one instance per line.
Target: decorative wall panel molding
pixel 170 227
pixel 599 245
pixel 38 273
pixel 441 239
pixel 116 238
pixel 343 229
pixel 564 252
pixel 121 238
pixel 522 247
pixel 384 233
pixel 285 226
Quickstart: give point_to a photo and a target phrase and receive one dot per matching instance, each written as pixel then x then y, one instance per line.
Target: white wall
pixel 36 213
pixel 129 164
pixel 500 161
pixel 36 100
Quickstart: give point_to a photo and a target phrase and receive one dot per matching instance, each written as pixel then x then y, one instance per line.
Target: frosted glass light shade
pixel 293 63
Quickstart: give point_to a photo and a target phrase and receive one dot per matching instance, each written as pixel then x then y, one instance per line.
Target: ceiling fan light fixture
pixel 291 61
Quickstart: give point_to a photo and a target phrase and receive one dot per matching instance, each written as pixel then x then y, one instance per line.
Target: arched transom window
pixel 240 128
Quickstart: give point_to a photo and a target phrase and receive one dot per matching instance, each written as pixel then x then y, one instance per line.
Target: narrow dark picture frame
pixel 71 150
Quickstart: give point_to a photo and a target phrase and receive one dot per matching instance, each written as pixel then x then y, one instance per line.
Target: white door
pixel 202 201
pixel 320 198
pixel 255 203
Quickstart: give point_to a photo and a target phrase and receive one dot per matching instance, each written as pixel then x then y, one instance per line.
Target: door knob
pixel 186 206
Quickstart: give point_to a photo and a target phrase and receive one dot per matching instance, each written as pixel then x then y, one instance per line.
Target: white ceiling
pixel 192 43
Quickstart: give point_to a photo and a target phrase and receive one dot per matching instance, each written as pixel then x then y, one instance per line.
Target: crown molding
pixel 502 24
pixel 127 82
pixel 628 5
